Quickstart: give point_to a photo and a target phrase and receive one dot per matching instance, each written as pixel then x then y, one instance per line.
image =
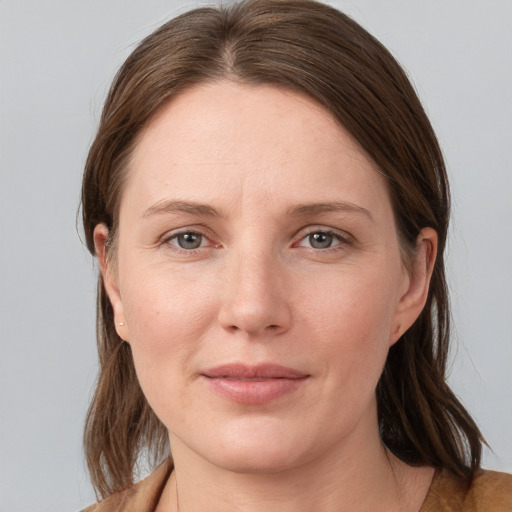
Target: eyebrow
pixel 205 210
pixel 170 206
pixel 309 209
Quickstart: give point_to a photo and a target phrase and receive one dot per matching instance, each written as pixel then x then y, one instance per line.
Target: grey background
pixel 57 59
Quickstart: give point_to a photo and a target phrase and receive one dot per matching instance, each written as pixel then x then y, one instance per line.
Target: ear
pixel 415 293
pixel 110 281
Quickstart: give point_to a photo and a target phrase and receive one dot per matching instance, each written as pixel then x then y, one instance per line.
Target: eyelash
pixel 167 240
pixel 341 237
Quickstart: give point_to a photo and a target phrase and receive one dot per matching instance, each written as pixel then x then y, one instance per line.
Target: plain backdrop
pixel 57 59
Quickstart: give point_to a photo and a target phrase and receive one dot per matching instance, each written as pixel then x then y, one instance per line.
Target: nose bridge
pixel 255 300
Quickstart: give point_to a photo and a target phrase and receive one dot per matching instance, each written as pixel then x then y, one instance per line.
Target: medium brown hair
pixel 312 48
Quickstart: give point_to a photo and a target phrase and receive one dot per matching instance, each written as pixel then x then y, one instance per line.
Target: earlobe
pixel 110 283
pixel 413 300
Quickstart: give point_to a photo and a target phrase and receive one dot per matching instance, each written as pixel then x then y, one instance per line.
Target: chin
pixel 255 460
pixel 249 448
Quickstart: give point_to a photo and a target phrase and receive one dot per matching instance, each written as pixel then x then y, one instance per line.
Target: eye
pixel 188 240
pixel 322 240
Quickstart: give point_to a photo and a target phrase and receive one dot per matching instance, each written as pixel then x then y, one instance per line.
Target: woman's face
pixel 258 276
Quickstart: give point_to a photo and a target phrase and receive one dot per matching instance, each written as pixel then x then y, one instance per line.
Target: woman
pixel 269 206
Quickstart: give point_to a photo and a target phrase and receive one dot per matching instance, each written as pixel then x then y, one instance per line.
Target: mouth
pixel 253 385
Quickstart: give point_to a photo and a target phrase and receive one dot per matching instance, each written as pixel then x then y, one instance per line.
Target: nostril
pixel 272 327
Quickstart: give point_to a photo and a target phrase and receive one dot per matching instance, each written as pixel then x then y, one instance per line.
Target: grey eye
pixel 189 240
pixel 320 240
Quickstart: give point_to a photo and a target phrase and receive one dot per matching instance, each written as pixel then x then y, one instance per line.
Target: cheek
pixel 162 303
pixel 168 316
pixel 351 325
pixel 359 303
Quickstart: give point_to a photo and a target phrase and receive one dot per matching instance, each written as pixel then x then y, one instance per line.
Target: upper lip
pixel 260 371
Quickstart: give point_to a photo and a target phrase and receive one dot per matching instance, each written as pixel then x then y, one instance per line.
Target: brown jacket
pixel 490 492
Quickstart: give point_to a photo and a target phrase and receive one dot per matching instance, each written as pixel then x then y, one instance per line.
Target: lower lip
pixel 253 392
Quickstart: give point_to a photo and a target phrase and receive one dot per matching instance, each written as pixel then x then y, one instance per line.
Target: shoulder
pixel 143 496
pixel 490 491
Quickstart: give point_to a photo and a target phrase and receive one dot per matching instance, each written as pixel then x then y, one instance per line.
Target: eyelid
pixel 342 236
pixel 199 230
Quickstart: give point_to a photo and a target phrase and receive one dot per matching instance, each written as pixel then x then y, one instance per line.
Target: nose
pixel 255 299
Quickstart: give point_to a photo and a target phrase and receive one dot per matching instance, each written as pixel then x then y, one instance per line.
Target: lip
pixel 253 385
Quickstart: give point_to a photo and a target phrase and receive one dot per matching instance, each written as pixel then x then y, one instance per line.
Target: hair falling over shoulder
pixel 312 48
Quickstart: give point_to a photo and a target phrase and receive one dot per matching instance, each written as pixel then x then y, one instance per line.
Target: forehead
pixel 226 142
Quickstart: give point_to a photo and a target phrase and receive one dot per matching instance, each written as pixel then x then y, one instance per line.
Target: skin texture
pixel 258 290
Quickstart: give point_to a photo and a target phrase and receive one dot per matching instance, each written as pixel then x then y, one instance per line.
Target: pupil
pixel 189 240
pixel 320 240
